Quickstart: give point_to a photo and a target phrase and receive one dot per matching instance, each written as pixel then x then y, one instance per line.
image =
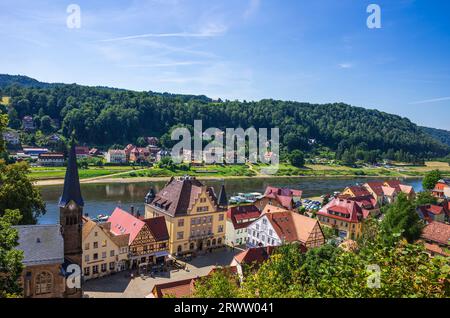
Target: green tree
pixel 46 124
pixel 10 259
pixel 431 178
pixel 297 158
pixel 222 283
pixel 401 220
pixel 425 198
pixel 18 192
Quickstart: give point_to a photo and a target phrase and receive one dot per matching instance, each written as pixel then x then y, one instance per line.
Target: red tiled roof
pixel 292 227
pixel 123 222
pixel 158 228
pixel 254 255
pixel 359 191
pixel 238 213
pixel 179 289
pixel 179 195
pixel 284 196
pixel 345 206
pixel 375 186
pixel 437 232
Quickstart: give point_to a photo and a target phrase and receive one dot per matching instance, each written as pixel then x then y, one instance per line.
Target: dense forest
pixel 438 134
pixel 103 117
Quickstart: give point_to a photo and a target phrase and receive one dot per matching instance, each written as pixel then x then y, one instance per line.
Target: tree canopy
pixel 431 178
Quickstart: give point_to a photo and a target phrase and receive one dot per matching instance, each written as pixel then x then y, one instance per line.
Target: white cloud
pixel 252 8
pixel 345 65
pixel 433 100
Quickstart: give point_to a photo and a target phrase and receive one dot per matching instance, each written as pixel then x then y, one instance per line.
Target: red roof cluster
pixel 242 216
pixel 344 209
pixel 437 232
pixel 284 196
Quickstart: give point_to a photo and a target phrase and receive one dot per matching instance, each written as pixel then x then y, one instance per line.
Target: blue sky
pixel 306 50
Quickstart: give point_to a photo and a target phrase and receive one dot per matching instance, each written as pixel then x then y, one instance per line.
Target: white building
pixel 51 160
pixel 116 156
pixel 276 228
pixel 11 137
pixel 238 219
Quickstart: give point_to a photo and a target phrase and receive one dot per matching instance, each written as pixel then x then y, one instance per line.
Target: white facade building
pixel 116 156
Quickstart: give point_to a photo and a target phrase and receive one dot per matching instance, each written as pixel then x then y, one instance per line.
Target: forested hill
pixel 439 134
pixel 104 116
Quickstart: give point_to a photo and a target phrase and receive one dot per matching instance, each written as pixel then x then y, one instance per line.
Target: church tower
pixel 70 217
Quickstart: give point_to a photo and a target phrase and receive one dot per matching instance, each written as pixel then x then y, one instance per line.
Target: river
pixel 103 198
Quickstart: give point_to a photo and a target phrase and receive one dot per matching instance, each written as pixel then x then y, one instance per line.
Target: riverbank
pixel 51 182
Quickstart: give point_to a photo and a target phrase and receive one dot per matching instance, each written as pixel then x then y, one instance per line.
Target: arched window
pixel 214 242
pixel 179 249
pixel 44 283
pixel 219 241
pixel 191 246
pixel 208 243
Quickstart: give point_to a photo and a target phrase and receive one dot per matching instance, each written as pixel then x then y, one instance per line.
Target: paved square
pixel 120 285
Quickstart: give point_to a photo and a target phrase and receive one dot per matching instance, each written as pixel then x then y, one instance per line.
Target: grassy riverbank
pixel 50 176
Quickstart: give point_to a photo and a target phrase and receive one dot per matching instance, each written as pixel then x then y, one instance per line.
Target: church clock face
pixel 72 206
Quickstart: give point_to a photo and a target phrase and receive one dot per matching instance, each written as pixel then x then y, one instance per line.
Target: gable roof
pixel 283 196
pixel 179 195
pixel 376 187
pixel 179 289
pixel 358 191
pixel 242 213
pixel 158 228
pixel 88 226
pixel 41 244
pixel 123 223
pixel 292 227
pixel 352 210
pixel 256 255
pixel 437 232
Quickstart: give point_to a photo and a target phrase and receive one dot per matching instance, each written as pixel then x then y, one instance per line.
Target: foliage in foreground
pixel 10 259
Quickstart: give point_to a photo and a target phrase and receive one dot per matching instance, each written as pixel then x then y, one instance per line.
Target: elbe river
pixel 104 198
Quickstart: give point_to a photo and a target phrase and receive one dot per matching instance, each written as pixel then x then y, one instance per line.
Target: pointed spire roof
pixel 72 190
pixel 222 201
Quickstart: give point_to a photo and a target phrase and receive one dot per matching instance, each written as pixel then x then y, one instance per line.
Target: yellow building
pixel 103 252
pixel 195 216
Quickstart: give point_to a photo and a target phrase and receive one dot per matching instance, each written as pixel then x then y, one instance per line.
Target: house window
pixel 86 258
pixel 179 249
pixel 219 241
pixel 86 246
pixel 202 200
pixel 95 233
pixel 95 269
pixel 220 230
pixel 44 283
pixel 180 235
pixel 103 254
pixel 191 246
pixel 87 271
pixel 264 221
pixel 220 217
pixel 181 222
pixel 95 244
pixel 95 256
pixel 270 232
pixel 112 266
pixel 257 227
pixel 111 253
pixel 103 267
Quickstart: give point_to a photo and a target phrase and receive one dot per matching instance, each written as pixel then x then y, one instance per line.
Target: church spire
pixel 72 191
pixel 223 201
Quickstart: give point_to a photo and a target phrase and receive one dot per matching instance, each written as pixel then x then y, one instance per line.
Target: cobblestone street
pixel 120 285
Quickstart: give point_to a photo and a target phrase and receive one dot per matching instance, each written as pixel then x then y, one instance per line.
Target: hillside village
pixel 187 220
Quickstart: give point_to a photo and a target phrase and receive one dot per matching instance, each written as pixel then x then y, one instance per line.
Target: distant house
pixel 387 192
pixel 116 156
pixel 178 289
pixel 54 138
pixel 94 152
pixel 238 219
pixel 344 215
pixel 436 236
pixel 280 197
pixel 153 150
pixel 138 154
pixel 82 152
pixel 34 152
pixel 162 154
pixel 432 212
pixel 277 228
pixel 51 159
pixel 28 123
pixel 442 189
pixel 152 141
pixel 11 137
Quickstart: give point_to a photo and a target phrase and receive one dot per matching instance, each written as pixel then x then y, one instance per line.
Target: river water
pixel 103 198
